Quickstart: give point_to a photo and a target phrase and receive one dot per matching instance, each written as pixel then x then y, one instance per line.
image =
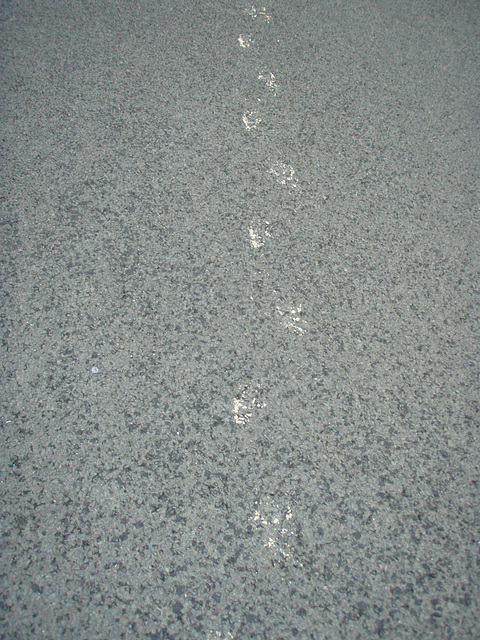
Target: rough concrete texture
pixel 240 320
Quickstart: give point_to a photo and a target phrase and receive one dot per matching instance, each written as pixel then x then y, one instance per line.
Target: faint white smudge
pixel 244 405
pixel 292 319
pixel 283 173
pixel 251 119
pixel 257 237
pixel 240 412
pixel 245 41
pixel 276 529
pixel 259 13
pixel 270 82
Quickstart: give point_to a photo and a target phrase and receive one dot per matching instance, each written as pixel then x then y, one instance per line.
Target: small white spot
pixel 245 41
pixel 254 239
pixel 293 318
pixel 270 82
pixel 259 13
pixel 283 173
pixel 241 416
pixel 94 369
pixel 244 406
pixel 251 120
pixel 257 238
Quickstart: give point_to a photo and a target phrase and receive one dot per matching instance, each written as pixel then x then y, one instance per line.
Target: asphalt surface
pixel 240 320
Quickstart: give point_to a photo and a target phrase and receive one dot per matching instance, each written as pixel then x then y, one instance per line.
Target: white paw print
pixel 292 319
pixel 257 236
pixel 283 173
pixel 245 41
pixel 259 13
pixel 270 82
pixel 251 120
pixel 243 406
pixel 276 528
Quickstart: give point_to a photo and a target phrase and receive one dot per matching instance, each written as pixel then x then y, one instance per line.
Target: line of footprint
pixel 282 173
pixel 271 521
pixel 291 317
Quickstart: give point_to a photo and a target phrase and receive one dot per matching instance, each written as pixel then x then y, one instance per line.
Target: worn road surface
pixel 240 362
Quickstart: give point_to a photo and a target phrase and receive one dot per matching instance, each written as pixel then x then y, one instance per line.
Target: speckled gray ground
pixel 240 363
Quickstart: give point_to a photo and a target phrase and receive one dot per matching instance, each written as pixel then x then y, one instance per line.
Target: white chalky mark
pixel 251 119
pixel 267 520
pixel 243 408
pixel 283 173
pixel 256 238
pixel 270 82
pixel 293 319
pixel 240 414
pixel 245 41
pixel 259 13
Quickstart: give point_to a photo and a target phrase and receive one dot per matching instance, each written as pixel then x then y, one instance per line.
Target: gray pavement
pixel 240 320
